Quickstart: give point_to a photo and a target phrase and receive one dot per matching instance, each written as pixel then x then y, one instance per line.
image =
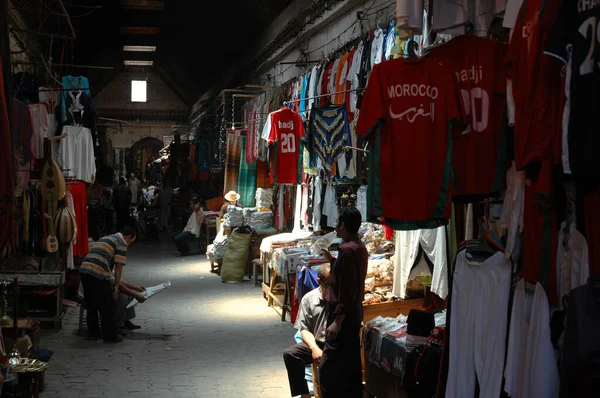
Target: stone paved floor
pixel 199 338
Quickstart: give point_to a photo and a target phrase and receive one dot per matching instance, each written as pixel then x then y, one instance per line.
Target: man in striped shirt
pixel 101 273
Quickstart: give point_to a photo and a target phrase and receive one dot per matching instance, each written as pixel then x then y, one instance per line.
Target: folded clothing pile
pixel 247 212
pixel 216 251
pixel 264 198
pixel 261 220
pixel 234 217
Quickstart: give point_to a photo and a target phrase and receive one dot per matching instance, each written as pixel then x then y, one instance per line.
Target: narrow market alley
pixel 199 338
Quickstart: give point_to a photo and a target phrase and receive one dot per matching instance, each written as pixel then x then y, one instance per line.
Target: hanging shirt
pixel 377 47
pixel 340 80
pixel 452 16
pixel 481 82
pixel 333 78
pixel 409 14
pixel 352 76
pixel 328 134
pixel 312 86
pixel 572 262
pixel 576 29
pixel 531 369
pixel 76 153
pixel 536 84
pixel 72 82
pixel 286 135
pixel 39 124
pixel 408 110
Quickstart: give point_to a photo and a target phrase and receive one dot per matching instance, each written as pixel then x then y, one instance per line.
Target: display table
pixel 386 346
pixel 270 251
pixel 36 287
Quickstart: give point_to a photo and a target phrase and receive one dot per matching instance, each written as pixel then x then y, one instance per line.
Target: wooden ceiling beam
pixel 139 30
pixel 152 5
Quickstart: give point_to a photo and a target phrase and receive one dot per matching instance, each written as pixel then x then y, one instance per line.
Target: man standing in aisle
pixel 135 187
pixel 121 200
pixel 341 369
pixel 191 230
pixel 101 273
pixel 312 323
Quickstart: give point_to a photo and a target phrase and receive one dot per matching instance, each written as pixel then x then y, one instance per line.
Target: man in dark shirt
pixel 341 370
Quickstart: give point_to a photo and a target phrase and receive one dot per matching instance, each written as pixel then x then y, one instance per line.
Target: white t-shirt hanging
pixel 352 76
pixel 312 86
pixel 452 16
pixel 377 47
pixel 409 16
pixel 332 78
pixel 267 128
pixel 531 369
pixel 39 124
pixel 76 152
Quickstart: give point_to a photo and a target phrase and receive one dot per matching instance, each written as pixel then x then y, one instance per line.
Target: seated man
pixel 124 315
pixel 312 323
pixel 192 229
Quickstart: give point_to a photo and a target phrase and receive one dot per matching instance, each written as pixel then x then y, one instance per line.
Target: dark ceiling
pixel 195 39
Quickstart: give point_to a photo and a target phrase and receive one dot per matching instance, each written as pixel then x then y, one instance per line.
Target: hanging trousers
pixel 340 372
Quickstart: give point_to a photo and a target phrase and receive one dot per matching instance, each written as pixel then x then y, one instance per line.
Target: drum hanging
pixel 66 225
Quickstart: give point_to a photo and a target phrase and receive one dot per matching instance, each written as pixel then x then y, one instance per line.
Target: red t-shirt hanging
pixel 591 215
pixel 478 162
pixel 536 83
pixel 286 135
pixel 406 110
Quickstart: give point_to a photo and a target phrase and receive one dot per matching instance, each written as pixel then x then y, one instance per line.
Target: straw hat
pixel 232 196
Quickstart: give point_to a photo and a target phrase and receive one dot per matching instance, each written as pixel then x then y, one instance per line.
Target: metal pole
pixel 42 34
pixel 68 65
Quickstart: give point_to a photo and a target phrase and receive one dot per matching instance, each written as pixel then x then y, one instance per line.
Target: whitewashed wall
pixel 129 135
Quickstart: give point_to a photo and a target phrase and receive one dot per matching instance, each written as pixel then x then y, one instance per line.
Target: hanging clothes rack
pixel 322 95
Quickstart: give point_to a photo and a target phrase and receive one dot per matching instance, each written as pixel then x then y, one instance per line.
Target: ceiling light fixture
pixel 142 49
pixel 138 63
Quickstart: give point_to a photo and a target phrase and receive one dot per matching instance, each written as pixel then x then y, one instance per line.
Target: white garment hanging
pixel 409 14
pixel 361 201
pixel 511 13
pixel 333 79
pixel 317 203
pixel 479 306
pixel 512 210
pixel 312 86
pixel 433 242
pixel 452 16
pixel 352 76
pixel 572 265
pixel 281 211
pixel 330 206
pixel 377 47
pixel 531 368
pixel 77 152
pixel 469 222
pixel 297 210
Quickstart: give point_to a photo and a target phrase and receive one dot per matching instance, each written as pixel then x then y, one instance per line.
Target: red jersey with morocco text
pixel 285 138
pixel 407 111
pixel 478 158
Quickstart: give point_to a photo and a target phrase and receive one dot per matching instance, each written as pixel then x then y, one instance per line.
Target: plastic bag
pixel 322 243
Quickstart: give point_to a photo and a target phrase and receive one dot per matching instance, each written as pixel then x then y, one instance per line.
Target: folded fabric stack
pixel 216 251
pixel 234 217
pixel 261 220
pixel 264 198
pixel 247 212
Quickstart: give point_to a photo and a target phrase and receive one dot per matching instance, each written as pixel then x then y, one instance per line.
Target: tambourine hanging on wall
pixel 66 225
